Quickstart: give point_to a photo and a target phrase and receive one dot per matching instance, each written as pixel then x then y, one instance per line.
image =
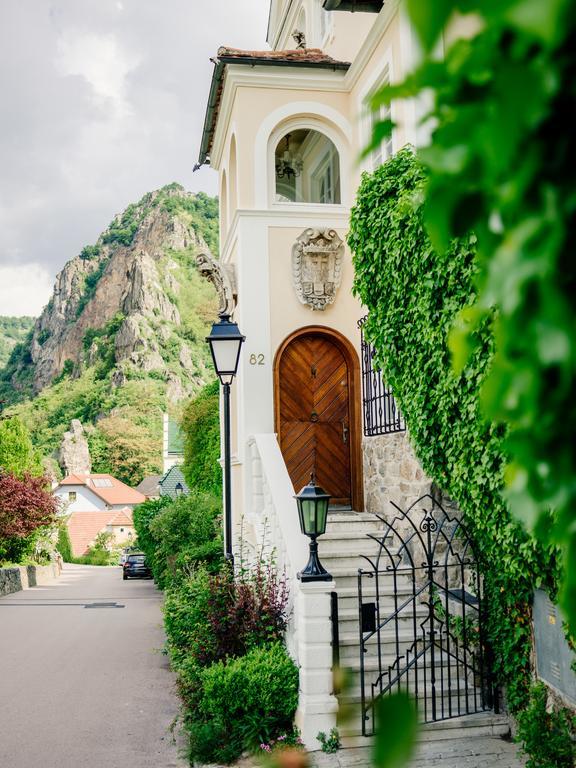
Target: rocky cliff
pixel 122 338
pixel 135 272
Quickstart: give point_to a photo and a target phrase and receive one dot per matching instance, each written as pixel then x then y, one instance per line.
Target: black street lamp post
pixel 225 342
pixel 313 511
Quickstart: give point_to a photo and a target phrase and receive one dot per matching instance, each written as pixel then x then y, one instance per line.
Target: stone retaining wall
pixel 25 576
pixel 391 473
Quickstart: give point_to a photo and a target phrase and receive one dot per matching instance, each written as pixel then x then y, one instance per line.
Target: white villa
pixel 284 129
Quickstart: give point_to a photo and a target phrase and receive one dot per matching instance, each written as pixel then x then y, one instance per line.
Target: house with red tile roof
pixel 97 503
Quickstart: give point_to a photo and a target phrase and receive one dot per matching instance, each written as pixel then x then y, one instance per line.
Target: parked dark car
pixel 136 565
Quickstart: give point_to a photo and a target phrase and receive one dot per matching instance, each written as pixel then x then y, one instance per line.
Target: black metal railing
pixel 381 415
pixel 422 617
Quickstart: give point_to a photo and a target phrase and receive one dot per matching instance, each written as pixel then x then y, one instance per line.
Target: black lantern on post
pixel 313 512
pixel 225 342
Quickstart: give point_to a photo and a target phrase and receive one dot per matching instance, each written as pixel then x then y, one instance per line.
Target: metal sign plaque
pixel 553 654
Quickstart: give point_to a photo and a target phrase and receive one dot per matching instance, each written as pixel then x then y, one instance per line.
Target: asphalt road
pixel 85 687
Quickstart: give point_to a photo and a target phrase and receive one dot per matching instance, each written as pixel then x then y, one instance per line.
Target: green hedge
pixel 201 426
pixel 244 702
pixel 412 294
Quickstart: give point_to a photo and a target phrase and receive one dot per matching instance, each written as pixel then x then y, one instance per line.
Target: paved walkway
pixel 86 685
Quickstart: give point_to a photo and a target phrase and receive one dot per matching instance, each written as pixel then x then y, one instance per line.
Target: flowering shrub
pixel 25 505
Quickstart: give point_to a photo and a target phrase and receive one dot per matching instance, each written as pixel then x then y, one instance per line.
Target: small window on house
pixel 307 168
pixel 121 530
pixel 380 412
pixel 384 150
pixel 72 496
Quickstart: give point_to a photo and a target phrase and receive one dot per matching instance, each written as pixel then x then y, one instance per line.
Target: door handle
pixel 344 431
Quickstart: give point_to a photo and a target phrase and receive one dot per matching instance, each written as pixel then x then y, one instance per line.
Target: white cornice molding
pixel 238 75
pixel 372 41
pixel 286 215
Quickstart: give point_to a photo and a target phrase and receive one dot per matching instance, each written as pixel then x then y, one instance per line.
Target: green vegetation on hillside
pixel 13 330
pixel 201 211
pixel 120 400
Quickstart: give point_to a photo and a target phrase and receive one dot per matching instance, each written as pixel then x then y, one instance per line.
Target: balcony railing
pixel 381 415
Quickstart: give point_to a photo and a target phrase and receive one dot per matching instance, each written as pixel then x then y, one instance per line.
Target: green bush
pixel 185 532
pixel 255 696
pixel 143 516
pixel 547 736
pixel 186 620
pixel 64 545
pixel 201 427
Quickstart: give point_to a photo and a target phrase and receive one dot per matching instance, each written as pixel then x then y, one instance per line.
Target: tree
pixel 201 426
pixel 131 451
pixel 17 454
pixel 25 505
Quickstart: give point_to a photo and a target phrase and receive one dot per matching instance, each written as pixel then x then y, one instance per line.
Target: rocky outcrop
pixel 74 455
pixel 112 277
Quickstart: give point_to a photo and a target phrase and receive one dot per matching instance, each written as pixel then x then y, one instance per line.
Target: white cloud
pixel 24 289
pixel 100 60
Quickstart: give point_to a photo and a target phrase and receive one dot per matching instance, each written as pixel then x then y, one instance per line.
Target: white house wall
pixel 86 501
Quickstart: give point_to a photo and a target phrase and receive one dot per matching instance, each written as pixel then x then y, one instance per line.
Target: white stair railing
pixel 309 634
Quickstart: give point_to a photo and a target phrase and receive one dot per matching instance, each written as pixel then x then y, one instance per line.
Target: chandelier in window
pixel 288 164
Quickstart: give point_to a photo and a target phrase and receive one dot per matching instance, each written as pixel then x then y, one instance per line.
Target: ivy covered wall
pixel 413 294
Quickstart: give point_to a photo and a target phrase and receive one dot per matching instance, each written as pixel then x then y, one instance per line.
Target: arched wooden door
pixel 314 415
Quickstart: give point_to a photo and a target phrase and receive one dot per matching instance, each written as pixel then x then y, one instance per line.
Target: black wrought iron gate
pixel 421 608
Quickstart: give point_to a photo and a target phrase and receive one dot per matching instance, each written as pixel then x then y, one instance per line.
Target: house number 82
pixel 256 359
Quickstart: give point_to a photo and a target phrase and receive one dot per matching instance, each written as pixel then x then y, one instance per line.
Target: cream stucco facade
pixel 258 105
pixel 306 107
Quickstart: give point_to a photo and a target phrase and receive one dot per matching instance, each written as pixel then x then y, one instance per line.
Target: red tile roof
pixel 299 57
pixel 122 517
pixel 116 493
pixel 303 56
pixel 83 528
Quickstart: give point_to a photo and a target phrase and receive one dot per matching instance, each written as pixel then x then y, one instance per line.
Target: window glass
pixel 72 496
pixel 307 168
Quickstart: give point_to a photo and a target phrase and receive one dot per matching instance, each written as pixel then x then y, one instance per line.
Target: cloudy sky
pixel 100 102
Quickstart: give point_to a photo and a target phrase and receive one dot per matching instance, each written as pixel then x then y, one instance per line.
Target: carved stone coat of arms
pixel 317 267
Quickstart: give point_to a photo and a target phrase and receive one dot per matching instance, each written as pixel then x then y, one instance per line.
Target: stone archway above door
pixel 317 404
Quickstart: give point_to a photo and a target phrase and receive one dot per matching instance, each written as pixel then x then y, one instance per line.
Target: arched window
pixel 307 168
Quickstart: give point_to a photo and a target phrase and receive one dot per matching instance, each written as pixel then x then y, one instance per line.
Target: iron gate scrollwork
pixel 421 613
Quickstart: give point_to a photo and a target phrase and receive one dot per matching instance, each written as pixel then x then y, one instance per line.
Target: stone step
pixel 353 522
pixel 477 725
pixel 350 643
pixel 355 542
pixel 348 601
pixel 348 619
pixel 345 576
pixel 351 702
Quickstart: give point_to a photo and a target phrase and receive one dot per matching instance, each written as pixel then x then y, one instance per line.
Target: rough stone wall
pixel 391 473
pixel 25 576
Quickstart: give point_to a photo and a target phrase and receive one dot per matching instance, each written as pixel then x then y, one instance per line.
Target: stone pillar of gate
pixel 317 704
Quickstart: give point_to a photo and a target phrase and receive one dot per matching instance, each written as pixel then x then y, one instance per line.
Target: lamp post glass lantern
pixel 313 513
pixel 225 342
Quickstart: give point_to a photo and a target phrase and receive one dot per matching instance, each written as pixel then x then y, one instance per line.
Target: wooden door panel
pixel 314 414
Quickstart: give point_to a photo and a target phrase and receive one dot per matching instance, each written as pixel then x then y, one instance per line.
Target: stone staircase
pixel 346 538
